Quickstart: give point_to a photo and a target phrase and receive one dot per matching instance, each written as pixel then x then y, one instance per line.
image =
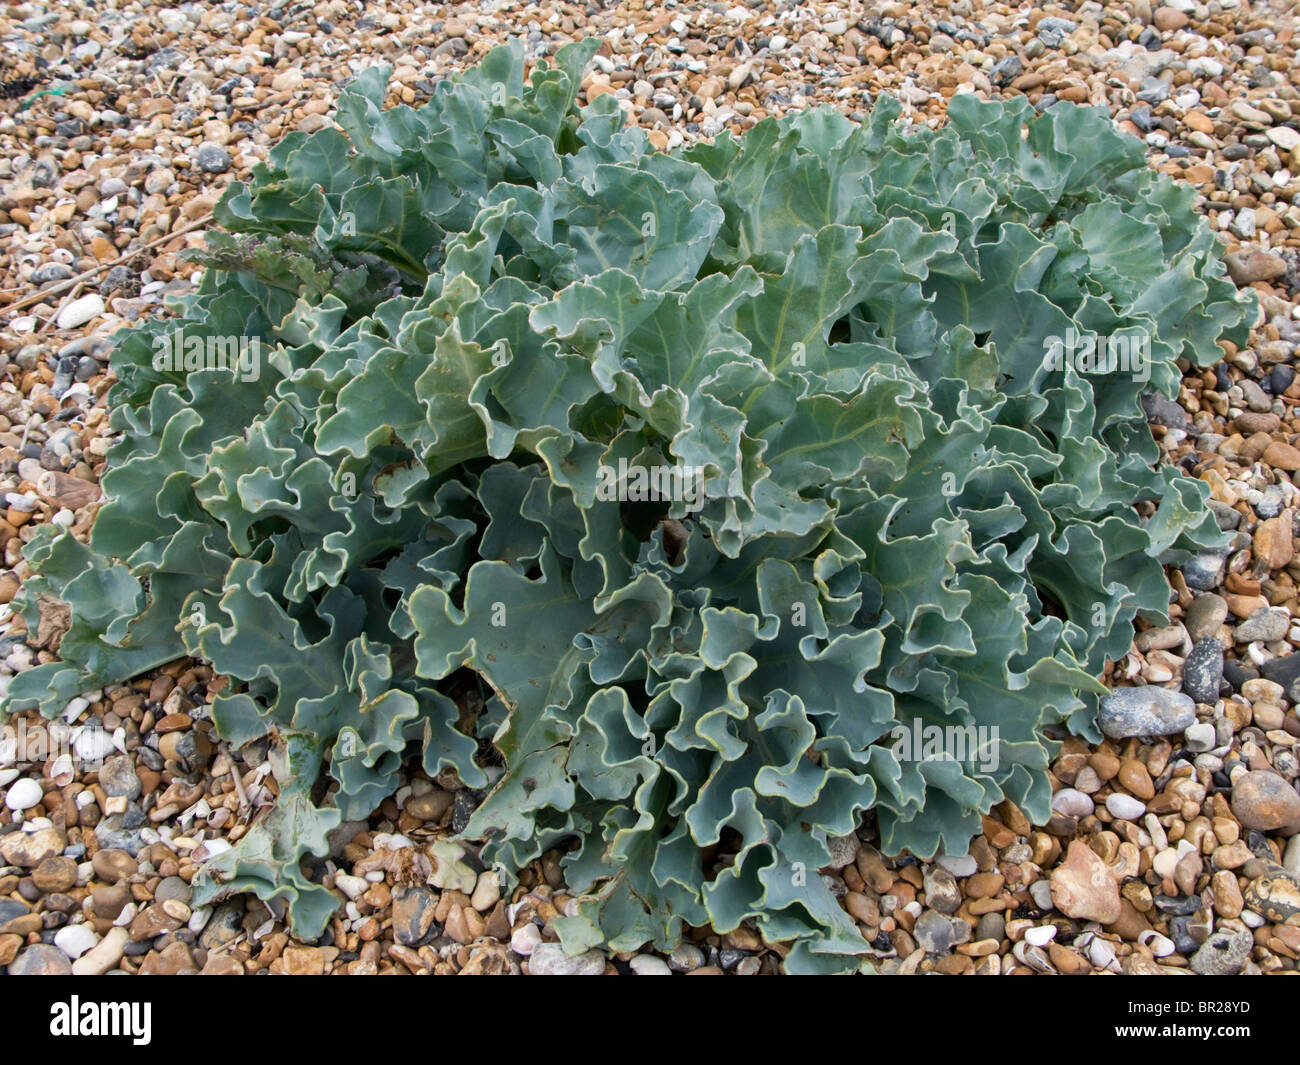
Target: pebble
pixel 685 958
pixel 75 939
pixel 1124 807
pixel 1223 954
pixel 1203 671
pixel 1206 614
pixel 55 874
pixel 351 886
pixel 1040 935
pixel 41 960
pixel 212 159
pixel 1265 624
pixel 118 778
pixel 28 849
pixel 1291 856
pixel 80 311
pixel 1072 803
pixel 1147 711
pixel 959 865
pixel 1200 737
pixel 104 956
pixel 1264 800
pixel 649 965
pixel 1276 895
pixel 172 889
pixel 1247 267
pixel 843 849
pixel 114 865
pixel 1204 572
pixel 934 932
pixel 225 924
pixel 1041 892
pixel 1084 888
pixel 23 795
pixel 486 891
pixel 549 959
pixel 941 891
pixel 523 941
pixel 1285 671
pixel 413 915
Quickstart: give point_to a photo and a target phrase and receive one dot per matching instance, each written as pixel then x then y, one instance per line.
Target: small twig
pixel 54 290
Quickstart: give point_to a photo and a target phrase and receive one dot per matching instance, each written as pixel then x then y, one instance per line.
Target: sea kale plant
pixel 650 492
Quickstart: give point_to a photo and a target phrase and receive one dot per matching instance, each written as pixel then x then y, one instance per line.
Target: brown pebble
pixel 55 874
pixel 114 865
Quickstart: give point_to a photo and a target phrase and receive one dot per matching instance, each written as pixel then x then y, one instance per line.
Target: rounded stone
pixel 55 874
pixel 1072 803
pixel 75 939
pixel 118 778
pixel 41 960
pixel 1147 711
pixel 172 889
pixel 549 959
pixel 212 159
pixel 24 794
pixel 1203 670
pixel 1264 800
pixel 1276 895
pixel 1124 807
pixel 113 865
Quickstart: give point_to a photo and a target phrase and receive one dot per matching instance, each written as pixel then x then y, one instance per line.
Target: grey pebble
pixel 1203 670
pixel 1223 954
pixel 1148 711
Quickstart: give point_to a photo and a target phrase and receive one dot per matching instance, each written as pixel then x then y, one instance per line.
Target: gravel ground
pixel 1168 851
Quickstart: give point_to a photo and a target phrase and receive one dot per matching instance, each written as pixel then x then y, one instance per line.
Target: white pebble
pixel 1200 737
pixel 486 891
pixel 959 864
pixel 1040 935
pixel 649 965
pixel 81 311
pixel 1072 803
pixel 1125 807
pixel 525 940
pixel 75 939
pixel 352 886
pixel 1165 862
pixel 23 795
pixel 76 706
pixel 1252 920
